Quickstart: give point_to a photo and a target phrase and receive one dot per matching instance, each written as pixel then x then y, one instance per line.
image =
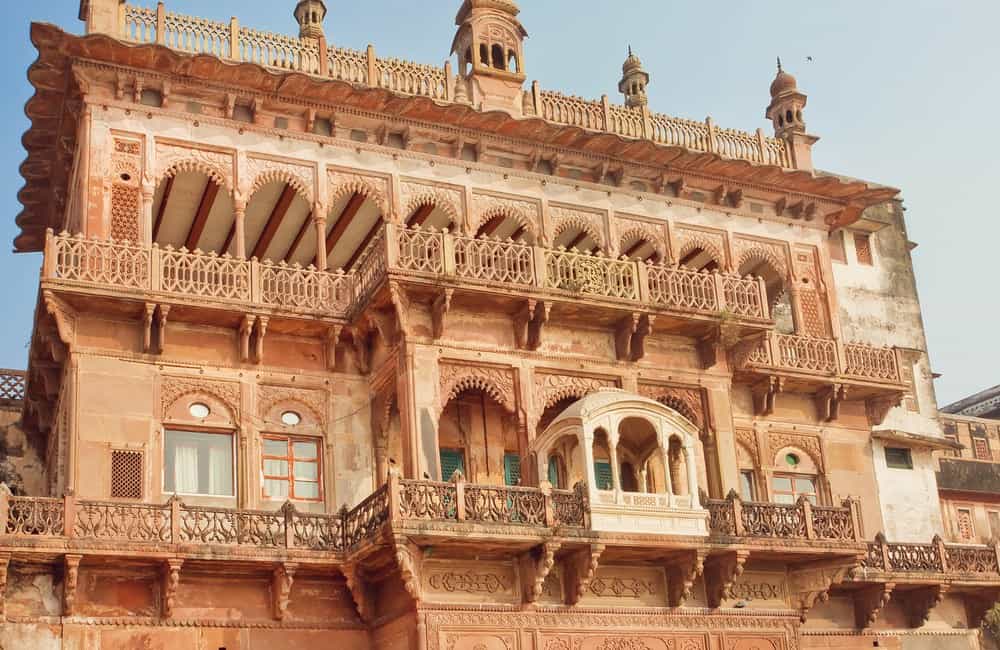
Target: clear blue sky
pixel 902 92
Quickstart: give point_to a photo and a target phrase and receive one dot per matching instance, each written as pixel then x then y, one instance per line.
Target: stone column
pixel 146 223
pixel 692 473
pixel 616 479
pixel 668 482
pixel 239 226
pixel 727 471
pixel 587 447
pixel 319 222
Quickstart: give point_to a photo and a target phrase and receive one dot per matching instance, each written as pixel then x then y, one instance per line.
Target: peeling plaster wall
pixel 878 305
pixel 21 466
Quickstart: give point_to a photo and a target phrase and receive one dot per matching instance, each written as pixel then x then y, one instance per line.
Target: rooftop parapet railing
pixel 733 517
pixel 12 384
pixel 936 557
pixel 228 40
pixel 827 357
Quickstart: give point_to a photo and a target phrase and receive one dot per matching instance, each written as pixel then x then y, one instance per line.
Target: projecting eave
pixel 917 440
pixel 50 140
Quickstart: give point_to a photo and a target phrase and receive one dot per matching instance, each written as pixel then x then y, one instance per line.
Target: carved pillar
pixel 319 222
pixel 146 224
pixel 587 447
pixel 616 479
pixel 71 565
pixel 720 413
pixel 692 474
pixel 239 226
pixel 668 482
pixel 4 564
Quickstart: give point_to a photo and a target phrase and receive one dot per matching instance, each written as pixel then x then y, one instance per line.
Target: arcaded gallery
pixel 333 350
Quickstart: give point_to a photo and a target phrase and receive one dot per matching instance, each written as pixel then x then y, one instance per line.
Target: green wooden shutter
pixel 554 471
pixel 512 469
pixel 452 460
pixel 602 472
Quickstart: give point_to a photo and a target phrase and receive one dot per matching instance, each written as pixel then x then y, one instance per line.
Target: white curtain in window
pixel 186 469
pixel 219 481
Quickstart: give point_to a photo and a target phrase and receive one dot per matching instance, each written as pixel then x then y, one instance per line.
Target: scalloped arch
pixel 582 224
pixel 436 198
pixel 516 214
pixel 293 403
pixel 360 186
pixel 473 382
pixel 697 241
pixel 231 411
pixel 635 233
pixel 682 409
pixel 220 177
pixel 284 176
pixel 760 254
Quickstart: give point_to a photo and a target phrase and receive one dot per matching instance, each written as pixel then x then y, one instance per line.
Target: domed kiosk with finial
pixel 310 15
pixel 490 48
pixel 634 81
pixel 785 113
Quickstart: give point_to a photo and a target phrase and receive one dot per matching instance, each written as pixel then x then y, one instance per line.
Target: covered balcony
pixel 635 458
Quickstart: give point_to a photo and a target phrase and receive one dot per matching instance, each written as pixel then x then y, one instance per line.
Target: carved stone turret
pixel 634 82
pixel 310 15
pixel 785 112
pixel 490 48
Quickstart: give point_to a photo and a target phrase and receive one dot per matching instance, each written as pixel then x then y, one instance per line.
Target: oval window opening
pixel 290 418
pixel 792 460
pixel 199 410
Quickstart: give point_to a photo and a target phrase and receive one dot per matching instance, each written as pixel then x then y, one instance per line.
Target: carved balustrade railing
pixel 122 521
pixel 228 40
pixel 825 357
pixel 26 516
pixel 582 273
pixel 936 557
pixel 200 274
pixel 494 261
pixel 99 262
pixel 733 517
pixel 305 289
pixel 12 385
pixel 366 520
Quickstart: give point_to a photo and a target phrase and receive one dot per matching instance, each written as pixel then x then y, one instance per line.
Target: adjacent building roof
pixel 984 404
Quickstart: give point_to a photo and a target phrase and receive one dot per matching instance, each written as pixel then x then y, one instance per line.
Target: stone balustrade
pixel 419 253
pixel 828 357
pixel 228 40
pixel 936 557
pixel 733 517
pixel 12 384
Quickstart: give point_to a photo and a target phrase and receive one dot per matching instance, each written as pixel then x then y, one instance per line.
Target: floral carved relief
pixel 485 207
pixel 270 396
pixel 496 382
pixel 261 171
pixel 344 183
pixel 173 389
pixel 809 444
pixel 446 199
pixel 173 159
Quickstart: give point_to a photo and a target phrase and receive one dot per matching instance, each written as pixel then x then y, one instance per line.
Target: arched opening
pixel 699 259
pixel 796 475
pixel 777 295
pixel 351 224
pixel 484 54
pixel 638 444
pixel 429 215
pixel 577 238
pixel 504 226
pixel 478 437
pixel 466 64
pixel 639 248
pixel 749 487
pixel 603 473
pixel 499 60
pixel 512 65
pixel 564 465
pixel 275 215
pixel 191 210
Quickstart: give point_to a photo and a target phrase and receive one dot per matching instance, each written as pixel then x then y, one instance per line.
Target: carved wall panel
pixel 627 587
pixel 273 400
pixel 172 159
pixel 451 581
pixel 446 198
pixel 463 641
pixel 261 171
pixel 747 439
pixel 345 183
pixel 761 590
pixel 553 590
pixel 812 292
pixel 126 173
pixel 172 389
pixel 497 382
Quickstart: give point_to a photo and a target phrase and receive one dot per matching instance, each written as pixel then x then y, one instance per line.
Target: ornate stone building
pixel 338 350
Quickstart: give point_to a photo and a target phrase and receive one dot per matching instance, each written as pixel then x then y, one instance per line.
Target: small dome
pixel 783 83
pixel 631 63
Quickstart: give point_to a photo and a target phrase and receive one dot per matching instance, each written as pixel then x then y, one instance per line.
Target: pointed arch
pixel 636 233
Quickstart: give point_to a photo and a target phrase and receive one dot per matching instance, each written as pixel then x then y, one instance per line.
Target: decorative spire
pixel 634 81
pixel 779 66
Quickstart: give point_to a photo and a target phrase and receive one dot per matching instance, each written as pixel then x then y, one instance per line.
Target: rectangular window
pixel 788 488
pixel 863 247
pixel 994 518
pixel 290 468
pixel 452 460
pixel 898 458
pixel 602 473
pixel 198 463
pixel 512 469
pixel 981 448
pixel 748 487
pixel 127 474
pixel 835 241
pixel 966 530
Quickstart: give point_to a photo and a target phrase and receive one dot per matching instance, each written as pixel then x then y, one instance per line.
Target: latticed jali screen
pixel 11 385
pixel 126 474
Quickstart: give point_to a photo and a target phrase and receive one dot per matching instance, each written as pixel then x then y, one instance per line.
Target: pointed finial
pixel 630 49
pixel 779 65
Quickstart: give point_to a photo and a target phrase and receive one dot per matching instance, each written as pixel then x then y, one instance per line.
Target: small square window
pixel 323 126
pixel 359 135
pixel 281 123
pixel 863 247
pixel 981 448
pixel 898 458
pixel 151 97
pixel 835 241
pixel 966 527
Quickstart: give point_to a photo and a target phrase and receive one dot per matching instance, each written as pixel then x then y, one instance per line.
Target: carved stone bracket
pixel 630 336
pixel 359 589
pixel 682 574
pixel 246 331
pixel 765 392
pixel 63 315
pixel 401 305
pixel 869 603
pixel 439 311
pixel 259 334
pixel 918 603
pixel 528 324
pixel 332 342
pixel 171 580
pixel 409 557
pixel 71 566
pixel 535 568
pixel 720 572
pixel 281 585
pixel 4 566
pixel 581 569
pixel 362 351
pixel 811 584
pixel 828 401
pixel 877 408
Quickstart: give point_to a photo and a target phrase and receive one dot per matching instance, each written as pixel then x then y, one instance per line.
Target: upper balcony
pixel 428 261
